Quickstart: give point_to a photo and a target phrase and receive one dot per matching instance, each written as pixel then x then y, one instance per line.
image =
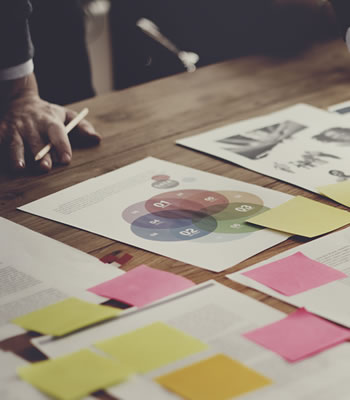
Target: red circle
pixel 190 200
pixel 160 177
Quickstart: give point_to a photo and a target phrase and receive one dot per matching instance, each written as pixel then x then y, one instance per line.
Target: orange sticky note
pixel 218 377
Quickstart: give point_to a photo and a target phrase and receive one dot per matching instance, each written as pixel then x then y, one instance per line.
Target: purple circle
pixel 135 211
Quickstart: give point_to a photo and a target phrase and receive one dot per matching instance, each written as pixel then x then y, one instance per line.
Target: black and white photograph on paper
pixel 302 145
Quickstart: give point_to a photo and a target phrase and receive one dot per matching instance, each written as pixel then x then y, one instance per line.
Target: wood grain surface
pixel 146 120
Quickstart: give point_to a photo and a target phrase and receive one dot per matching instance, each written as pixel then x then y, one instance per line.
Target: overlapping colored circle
pixel 192 214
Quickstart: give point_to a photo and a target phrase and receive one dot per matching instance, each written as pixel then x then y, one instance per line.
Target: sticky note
pixel 65 316
pixel 75 375
pixel 302 216
pixel 142 285
pixel 218 377
pixel 339 192
pixel 299 335
pixel 151 346
pixel 294 274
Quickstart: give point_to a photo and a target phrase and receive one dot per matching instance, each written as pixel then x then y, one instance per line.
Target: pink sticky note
pixel 294 274
pixel 142 285
pixel 299 335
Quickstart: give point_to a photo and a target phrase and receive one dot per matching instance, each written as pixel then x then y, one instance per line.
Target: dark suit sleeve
pixel 15 42
pixel 342 10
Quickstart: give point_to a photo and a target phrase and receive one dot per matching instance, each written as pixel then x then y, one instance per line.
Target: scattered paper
pixel 218 378
pixel 342 108
pixel 151 346
pixel 192 216
pixel 9 330
pixel 304 217
pixel 74 376
pixel 65 317
pixel 339 192
pixel 219 316
pixel 301 144
pixel 37 271
pixel 142 285
pixel 332 250
pixel 294 274
pixel 9 363
pixel 299 335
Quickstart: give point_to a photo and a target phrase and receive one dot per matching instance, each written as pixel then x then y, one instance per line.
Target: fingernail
pixel 66 158
pixel 45 165
pixel 21 164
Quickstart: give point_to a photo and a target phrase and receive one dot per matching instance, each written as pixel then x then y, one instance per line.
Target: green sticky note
pixel 151 347
pixel 339 192
pixel 66 316
pixel 218 377
pixel 75 375
pixel 304 217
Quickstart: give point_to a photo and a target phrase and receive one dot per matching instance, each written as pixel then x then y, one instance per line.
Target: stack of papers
pixel 186 342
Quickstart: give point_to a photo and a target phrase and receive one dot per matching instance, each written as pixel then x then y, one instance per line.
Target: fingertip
pixel 45 164
pixel 66 158
pixel 18 166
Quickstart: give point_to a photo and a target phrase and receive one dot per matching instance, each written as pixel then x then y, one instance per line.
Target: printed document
pixel 179 212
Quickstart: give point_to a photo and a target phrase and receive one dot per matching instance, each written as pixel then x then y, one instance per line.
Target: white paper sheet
pixel 138 387
pixel 341 108
pixel 11 386
pixel 175 211
pixel 330 301
pixel 10 330
pixel 36 271
pixel 218 316
pixel 202 311
pixel 302 145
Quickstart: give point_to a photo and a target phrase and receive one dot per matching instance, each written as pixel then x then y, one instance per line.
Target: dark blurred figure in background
pixel 216 30
pixel 30 118
pixel 61 60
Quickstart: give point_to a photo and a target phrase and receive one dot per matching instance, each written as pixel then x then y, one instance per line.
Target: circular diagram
pixel 193 214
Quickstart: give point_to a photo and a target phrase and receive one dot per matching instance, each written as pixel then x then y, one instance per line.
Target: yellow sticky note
pixel 75 375
pixel 66 316
pixel 304 217
pixel 218 377
pixel 339 192
pixel 151 346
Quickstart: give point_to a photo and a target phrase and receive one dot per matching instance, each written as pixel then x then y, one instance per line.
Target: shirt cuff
pixel 16 72
pixel 347 38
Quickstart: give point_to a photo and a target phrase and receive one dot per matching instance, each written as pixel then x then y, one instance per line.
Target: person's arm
pixel 342 11
pixel 27 122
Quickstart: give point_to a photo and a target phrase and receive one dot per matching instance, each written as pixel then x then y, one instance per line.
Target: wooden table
pixel 146 120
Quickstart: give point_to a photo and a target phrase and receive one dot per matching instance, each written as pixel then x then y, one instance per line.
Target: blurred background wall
pixel 79 39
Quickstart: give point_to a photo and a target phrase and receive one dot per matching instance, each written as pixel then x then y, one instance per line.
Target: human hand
pixel 28 123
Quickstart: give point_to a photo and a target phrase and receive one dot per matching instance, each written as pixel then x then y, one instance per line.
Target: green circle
pixel 232 219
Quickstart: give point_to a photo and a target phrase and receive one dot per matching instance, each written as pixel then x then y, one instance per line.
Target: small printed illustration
pixel 208 216
pixel 258 143
pixel 309 160
pixel 337 135
pixel 341 176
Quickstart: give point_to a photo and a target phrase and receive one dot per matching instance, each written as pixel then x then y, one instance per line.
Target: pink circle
pixel 160 177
